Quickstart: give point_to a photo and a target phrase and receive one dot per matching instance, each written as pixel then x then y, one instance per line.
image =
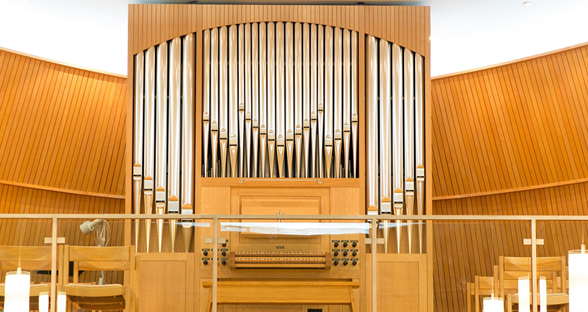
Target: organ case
pixel 279 109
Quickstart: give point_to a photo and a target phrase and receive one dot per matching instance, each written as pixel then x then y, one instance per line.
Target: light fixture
pixel 61 301
pixel 88 227
pixel 578 271
pixel 527 3
pixel 492 304
pixel 17 290
pixel 44 301
pixel 524 304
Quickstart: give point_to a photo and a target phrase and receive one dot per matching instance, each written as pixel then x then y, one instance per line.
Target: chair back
pixel 113 258
pixel 552 268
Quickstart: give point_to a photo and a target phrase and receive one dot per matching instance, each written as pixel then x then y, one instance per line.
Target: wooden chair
pixel 99 297
pixel 483 286
pixel 31 258
pixel 552 268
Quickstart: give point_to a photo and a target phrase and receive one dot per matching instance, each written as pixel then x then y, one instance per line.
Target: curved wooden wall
pixel 508 140
pixel 61 146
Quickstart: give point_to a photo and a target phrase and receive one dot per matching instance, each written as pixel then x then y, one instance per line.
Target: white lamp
pixel 44 301
pixel 61 301
pixel 491 304
pixel 524 304
pixel 17 290
pixel 578 267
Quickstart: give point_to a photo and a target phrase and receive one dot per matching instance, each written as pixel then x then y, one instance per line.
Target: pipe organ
pixel 256 110
pixel 276 104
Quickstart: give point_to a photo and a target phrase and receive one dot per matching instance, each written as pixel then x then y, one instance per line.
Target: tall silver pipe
pixel 371 74
pixel 138 139
pixel 223 100
pixel 175 143
pixel 289 86
pixel 214 97
pixel 346 100
pixel 313 100
pixel 161 83
pixel 280 98
pixel 397 138
pixel 306 98
pixel 298 99
pixel 420 142
pixel 321 100
pixel 149 168
pixel 255 100
pixel 409 138
pixel 338 101
pixel 246 150
pixel 354 100
pixel 385 129
pixel 328 107
pixel 234 103
pixel 188 80
pixel 271 97
pixel 263 99
pixel 240 51
pixel 206 101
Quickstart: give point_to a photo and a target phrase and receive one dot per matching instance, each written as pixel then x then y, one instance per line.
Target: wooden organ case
pixel 278 110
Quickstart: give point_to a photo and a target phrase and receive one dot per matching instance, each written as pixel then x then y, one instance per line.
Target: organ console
pixel 257 114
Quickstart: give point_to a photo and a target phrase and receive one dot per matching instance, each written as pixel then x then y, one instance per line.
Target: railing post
pixel 534 263
pixel 374 264
pixel 54 264
pixel 214 262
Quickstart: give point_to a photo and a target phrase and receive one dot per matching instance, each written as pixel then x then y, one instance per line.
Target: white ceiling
pixel 465 34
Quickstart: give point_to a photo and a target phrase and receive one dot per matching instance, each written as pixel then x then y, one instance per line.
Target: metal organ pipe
pixel 320 85
pixel 161 83
pixel 174 145
pixel 306 99
pixel 223 100
pixel 328 105
pixel 271 97
pixel 397 138
pixel 214 95
pixel 354 101
pixel 419 142
pixel 371 73
pixel 385 129
pixel 138 139
pixel 255 100
pixel 280 97
pixel 298 99
pixel 187 182
pixel 263 100
pixel 346 101
pixel 233 105
pixel 149 168
pixel 206 101
pixel 246 150
pixel 338 101
pixel 289 98
pixel 409 138
pixel 313 100
pixel 240 51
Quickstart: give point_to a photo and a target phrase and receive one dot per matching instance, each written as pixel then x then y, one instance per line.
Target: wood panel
pixel 61 149
pixel 61 127
pixel 153 24
pixel 508 140
pixel 513 126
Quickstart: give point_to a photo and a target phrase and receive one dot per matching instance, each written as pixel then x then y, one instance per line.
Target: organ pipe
pixel 246 150
pixel 271 97
pixel 409 138
pixel 354 101
pixel 174 145
pixel 234 105
pixel 337 101
pixel 328 104
pixel 289 74
pixel 371 87
pixel 346 101
pixel 138 139
pixel 240 51
pixel 255 99
pixel 187 181
pixel 397 137
pixel 320 100
pixel 214 101
pixel 298 99
pixel 313 100
pixel 385 129
pixel 420 143
pixel 223 100
pixel 263 99
pixel 161 135
pixel 149 149
pixel 206 100
pixel 280 98
pixel 306 99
